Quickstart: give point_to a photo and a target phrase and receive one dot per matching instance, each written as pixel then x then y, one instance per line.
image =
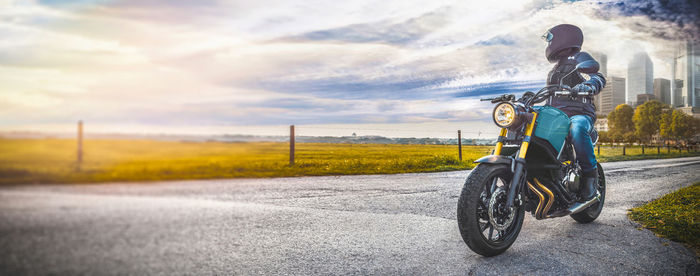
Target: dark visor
pixel 547 36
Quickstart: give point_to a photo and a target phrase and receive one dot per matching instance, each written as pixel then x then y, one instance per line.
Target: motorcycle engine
pixel 571 179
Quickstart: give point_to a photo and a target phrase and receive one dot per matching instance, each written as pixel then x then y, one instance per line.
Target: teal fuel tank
pixel 552 125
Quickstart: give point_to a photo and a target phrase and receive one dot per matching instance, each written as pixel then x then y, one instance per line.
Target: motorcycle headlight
pixel 504 115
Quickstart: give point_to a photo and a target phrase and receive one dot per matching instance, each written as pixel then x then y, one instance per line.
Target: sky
pixel 403 68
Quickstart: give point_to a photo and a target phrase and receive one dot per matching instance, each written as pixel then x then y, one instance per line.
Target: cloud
pixel 280 62
pixel 682 16
pixel 497 40
pixel 386 31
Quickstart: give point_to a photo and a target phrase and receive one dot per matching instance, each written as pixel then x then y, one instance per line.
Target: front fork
pixel 519 173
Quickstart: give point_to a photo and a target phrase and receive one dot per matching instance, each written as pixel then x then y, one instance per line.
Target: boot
pixel 589 186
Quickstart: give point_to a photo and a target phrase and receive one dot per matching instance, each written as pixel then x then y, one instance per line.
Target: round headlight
pixel 504 114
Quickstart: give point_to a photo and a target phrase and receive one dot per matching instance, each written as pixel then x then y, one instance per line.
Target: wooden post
pixel 459 142
pixel 642 149
pixel 291 145
pixel 598 150
pixel 658 150
pixel 623 150
pixel 80 144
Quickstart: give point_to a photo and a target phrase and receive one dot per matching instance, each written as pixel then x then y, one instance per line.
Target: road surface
pixel 378 224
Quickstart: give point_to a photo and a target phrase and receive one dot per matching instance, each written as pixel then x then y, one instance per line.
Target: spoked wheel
pixel 591 213
pixel 487 227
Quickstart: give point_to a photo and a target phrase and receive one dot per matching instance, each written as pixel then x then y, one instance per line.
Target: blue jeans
pixel 581 127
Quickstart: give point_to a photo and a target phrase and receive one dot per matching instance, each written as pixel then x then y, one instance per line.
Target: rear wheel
pixel 487 227
pixel 591 213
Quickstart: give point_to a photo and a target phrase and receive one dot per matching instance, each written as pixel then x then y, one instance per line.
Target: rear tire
pixel 474 225
pixel 591 213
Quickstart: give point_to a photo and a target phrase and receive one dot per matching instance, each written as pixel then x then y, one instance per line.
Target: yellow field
pixel 54 160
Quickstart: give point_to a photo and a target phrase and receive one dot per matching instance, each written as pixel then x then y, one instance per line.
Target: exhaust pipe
pixel 547 198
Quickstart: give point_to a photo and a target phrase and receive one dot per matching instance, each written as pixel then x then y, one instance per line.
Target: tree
pixel 683 126
pixel 647 118
pixel 620 122
pixel 665 130
pixel 603 137
pixel 630 137
pixel 615 136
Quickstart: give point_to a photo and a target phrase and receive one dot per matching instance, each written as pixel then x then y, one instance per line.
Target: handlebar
pixel 501 98
pixel 543 94
pixel 568 93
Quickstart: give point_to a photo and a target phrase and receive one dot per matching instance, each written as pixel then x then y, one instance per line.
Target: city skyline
pixel 676 93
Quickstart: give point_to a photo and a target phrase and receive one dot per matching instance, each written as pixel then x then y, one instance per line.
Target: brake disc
pixel 499 198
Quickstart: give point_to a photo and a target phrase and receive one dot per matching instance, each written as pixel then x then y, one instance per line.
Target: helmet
pixel 562 40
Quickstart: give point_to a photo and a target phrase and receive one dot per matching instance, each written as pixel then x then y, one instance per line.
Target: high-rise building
pixel 643 98
pixel 640 74
pixel 612 95
pixel 676 91
pixel 662 90
pixel 602 60
pixel 686 73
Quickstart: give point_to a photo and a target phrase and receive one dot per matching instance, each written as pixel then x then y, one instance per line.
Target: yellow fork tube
pixel 499 144
pixel 528 133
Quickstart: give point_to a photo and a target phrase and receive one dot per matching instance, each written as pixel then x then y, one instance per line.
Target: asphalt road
pixel 380 224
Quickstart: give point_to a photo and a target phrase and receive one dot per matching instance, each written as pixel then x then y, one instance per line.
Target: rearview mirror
pixel 588 67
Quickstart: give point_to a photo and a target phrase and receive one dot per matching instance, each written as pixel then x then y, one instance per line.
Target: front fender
pixel 495 159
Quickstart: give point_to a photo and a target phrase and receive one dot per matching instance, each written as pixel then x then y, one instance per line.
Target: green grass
pixel 611 154
pixel 54 160
pixel 675 216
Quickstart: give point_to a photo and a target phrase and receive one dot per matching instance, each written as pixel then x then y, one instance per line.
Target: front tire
pixel 591 213
pixel 475 225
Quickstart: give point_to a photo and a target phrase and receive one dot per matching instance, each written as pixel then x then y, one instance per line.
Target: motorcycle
pixel 533 168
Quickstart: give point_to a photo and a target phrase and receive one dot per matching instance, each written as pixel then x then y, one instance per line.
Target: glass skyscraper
pixel 640 77
pixel 686 75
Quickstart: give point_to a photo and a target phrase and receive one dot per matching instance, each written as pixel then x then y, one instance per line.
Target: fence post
pixel 80 144
pixel 623 150
pixel 459 142
pixel 658 150
pixel 642 149
pixel 291 145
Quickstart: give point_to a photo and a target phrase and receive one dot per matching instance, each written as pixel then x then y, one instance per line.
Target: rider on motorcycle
pixel 564 48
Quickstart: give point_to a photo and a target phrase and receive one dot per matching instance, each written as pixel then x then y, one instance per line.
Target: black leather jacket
pixel 581 105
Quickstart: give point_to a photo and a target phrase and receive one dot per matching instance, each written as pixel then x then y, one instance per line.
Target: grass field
pixel 675 216
pixel 610 154
pixel 54 160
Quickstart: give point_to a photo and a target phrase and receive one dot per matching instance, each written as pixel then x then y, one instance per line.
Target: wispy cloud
pixel 386 31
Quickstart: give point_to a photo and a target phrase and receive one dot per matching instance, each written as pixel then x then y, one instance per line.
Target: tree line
pixel 650 120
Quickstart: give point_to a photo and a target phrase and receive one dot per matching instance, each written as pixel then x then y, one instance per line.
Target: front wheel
pixel 487 227
pixel 591 213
